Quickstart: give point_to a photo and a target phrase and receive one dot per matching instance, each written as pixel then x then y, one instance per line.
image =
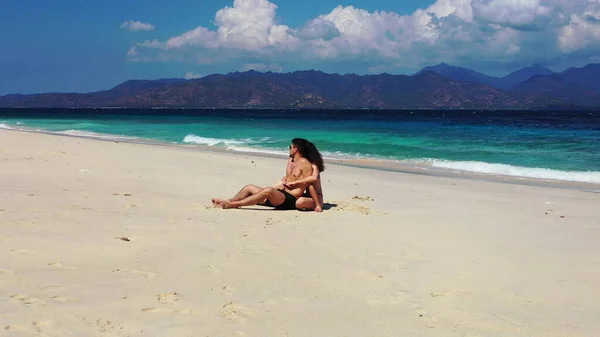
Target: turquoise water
pixel 552 145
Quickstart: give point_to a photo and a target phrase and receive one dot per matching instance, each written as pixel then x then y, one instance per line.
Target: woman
pixel 313 196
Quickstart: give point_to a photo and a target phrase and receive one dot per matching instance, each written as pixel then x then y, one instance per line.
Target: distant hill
pixel 514 78
pixel 577 85
pixel 461 74
pixel 457 88
pixel 505 83
pixel 132 87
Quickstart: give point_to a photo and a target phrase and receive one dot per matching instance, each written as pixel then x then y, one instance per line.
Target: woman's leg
pixel 305 204
pixel 309 204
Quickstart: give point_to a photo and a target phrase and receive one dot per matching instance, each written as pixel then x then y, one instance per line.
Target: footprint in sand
pixel 452 294
pixel 15 328
pixel 146 274
pixel 367 198
pixel 365 275
pixel 236 312
pixel 53 288
pixel 347 206
pixel 212 268
pixel 412 257
pixel 23 252
pixel 393 299
pixel 5 271
pixel 63 299
pixel 426 317
pixel 229 289
pixel 80 208
pixel 271 222
pixel 29 300
pixel 42 324
pixel 103 327
pixel 170 311
pixel 59 265
pixel 287 299
pixel 41 302
pixel 47 327
pixel 168 297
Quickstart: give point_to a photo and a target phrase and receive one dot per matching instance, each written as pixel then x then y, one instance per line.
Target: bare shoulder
pixel 304 162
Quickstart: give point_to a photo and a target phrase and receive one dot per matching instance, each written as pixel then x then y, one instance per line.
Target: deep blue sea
pixel 561 145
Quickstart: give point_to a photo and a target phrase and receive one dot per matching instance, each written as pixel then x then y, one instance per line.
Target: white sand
pixel 428 256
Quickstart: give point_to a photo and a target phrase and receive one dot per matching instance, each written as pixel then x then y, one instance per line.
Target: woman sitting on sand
pixel 313 196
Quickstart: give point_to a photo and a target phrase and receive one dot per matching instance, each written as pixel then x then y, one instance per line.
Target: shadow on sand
pixel 326 206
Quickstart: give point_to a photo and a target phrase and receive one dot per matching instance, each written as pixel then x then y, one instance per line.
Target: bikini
pixel 289 203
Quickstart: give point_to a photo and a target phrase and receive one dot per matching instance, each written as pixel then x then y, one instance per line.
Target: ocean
pixel 552 145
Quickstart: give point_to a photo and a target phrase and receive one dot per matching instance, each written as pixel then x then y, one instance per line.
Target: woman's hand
pixel 318 209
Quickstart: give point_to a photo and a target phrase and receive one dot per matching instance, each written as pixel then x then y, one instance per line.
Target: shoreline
pixel 406 167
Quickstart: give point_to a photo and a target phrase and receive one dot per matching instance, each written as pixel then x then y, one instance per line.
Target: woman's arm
pixel 315 197
pixel 308 180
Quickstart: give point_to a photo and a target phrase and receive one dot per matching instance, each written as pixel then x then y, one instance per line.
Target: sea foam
pixel 229 143
pixel 249 149
pixel 193 139
pixel 518 171
pixel 90 134
pixel 246 145
pixel 6 126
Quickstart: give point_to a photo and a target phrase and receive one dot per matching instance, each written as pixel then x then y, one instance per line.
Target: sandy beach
pixel 103 238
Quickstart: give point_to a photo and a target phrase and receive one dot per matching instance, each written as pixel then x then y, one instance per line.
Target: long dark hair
pixel 309 151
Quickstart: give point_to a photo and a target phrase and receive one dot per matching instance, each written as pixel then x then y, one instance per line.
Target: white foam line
pixel 89 134
pixel 518 171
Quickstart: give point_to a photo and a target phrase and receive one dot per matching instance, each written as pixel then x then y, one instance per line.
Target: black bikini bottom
pixel 288 203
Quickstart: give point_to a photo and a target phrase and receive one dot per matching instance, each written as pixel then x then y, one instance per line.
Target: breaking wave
pixel 208 141
pixel 518 171
pixel 89 134
pixel 260 146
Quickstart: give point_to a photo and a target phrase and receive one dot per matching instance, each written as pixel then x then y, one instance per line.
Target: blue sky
pixel 82 46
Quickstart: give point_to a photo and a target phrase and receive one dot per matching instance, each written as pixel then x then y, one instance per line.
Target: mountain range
pixel 504 83
pixel 440 86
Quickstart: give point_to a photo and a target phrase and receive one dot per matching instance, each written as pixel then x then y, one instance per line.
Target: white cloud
pixel 199 36
pixel 263 67
pixel 250 24
pixel 190 75
pixel 455 31
pixel 318 29
pixel 518 14
pixel 132 51
pixel 583 29
pixel 136 26
pixel 460 8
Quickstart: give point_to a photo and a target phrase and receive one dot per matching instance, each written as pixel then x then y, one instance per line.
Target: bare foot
pixel 225 204
pixel 216 201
